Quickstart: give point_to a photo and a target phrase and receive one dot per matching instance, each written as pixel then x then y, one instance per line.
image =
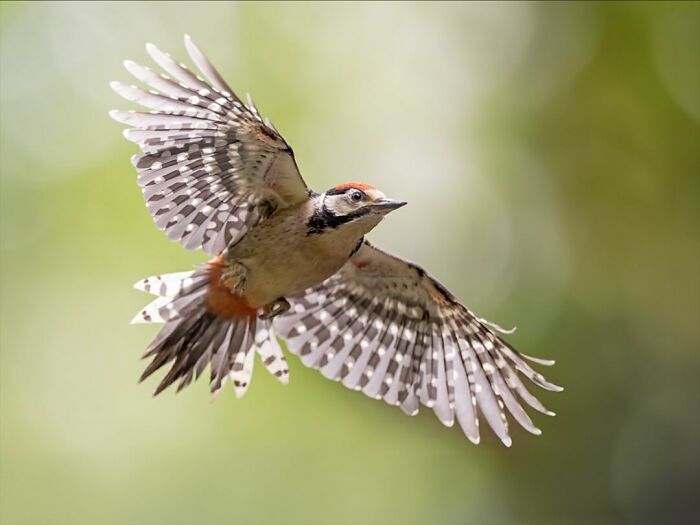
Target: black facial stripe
pixel 336 191
pixel 325 219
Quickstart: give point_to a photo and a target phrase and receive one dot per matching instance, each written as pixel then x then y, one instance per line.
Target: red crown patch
pixel 356 185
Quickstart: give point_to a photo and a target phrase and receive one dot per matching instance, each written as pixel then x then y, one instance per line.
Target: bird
pixel 292 264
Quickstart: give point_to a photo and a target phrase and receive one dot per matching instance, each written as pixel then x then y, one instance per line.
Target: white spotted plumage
pixel 231 347
pixel 411 342
pixel 210 168
pixel 216 175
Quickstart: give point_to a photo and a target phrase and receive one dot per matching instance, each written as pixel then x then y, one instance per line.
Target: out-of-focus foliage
pixel 551 157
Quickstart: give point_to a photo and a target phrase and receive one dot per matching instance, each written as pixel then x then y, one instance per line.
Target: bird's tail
pixel 206 324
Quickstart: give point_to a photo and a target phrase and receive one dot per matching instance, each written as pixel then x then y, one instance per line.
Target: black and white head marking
pixel 346 203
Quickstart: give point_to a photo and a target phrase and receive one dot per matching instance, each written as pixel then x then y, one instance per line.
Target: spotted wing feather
pixel 382 325
pixel 193 338
pixel 210 167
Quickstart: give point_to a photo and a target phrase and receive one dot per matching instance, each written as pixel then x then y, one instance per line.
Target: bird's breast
pixel 283 259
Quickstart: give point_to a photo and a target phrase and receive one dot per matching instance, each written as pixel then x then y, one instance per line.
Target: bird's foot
pixel 234 277
pixel 275 308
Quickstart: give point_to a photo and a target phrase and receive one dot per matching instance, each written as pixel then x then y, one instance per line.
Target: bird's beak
pixel 387 205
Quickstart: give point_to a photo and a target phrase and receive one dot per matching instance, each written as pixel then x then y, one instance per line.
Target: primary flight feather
pixel 292 263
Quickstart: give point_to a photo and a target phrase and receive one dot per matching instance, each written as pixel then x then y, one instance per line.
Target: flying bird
pixel 294 264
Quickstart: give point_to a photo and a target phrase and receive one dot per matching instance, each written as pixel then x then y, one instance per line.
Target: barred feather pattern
pixel 210 167
pixel 384 327
pixel 193 337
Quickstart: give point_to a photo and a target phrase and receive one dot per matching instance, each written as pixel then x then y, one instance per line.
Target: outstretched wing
pixel 382 325
pixel 210 168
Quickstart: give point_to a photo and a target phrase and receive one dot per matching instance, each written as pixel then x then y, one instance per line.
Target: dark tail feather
pixel 193 337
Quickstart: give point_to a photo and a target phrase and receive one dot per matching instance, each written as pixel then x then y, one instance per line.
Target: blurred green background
pixel 550 154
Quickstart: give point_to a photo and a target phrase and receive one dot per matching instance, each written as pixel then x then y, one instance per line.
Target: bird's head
pixel 352 203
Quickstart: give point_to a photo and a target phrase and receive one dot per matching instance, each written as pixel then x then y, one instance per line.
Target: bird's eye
pixel 356 196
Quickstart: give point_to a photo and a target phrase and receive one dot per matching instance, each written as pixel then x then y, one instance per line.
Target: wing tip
pixel 215 393
pixel 239 391
pixel 123 90
pixel 497 327
pixel 153 50
pixel 538 360
pixel 138 319
pixel 192 48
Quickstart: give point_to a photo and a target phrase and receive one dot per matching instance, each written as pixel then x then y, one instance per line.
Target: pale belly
pixel 281 259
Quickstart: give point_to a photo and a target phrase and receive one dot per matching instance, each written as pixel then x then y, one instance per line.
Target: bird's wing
pixel 210 167
pixel 382 325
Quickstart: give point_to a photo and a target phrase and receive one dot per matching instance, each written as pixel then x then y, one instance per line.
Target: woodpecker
pixel 294 264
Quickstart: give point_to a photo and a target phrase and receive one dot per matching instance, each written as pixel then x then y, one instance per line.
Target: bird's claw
pixel 278 307
pixel 234 277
